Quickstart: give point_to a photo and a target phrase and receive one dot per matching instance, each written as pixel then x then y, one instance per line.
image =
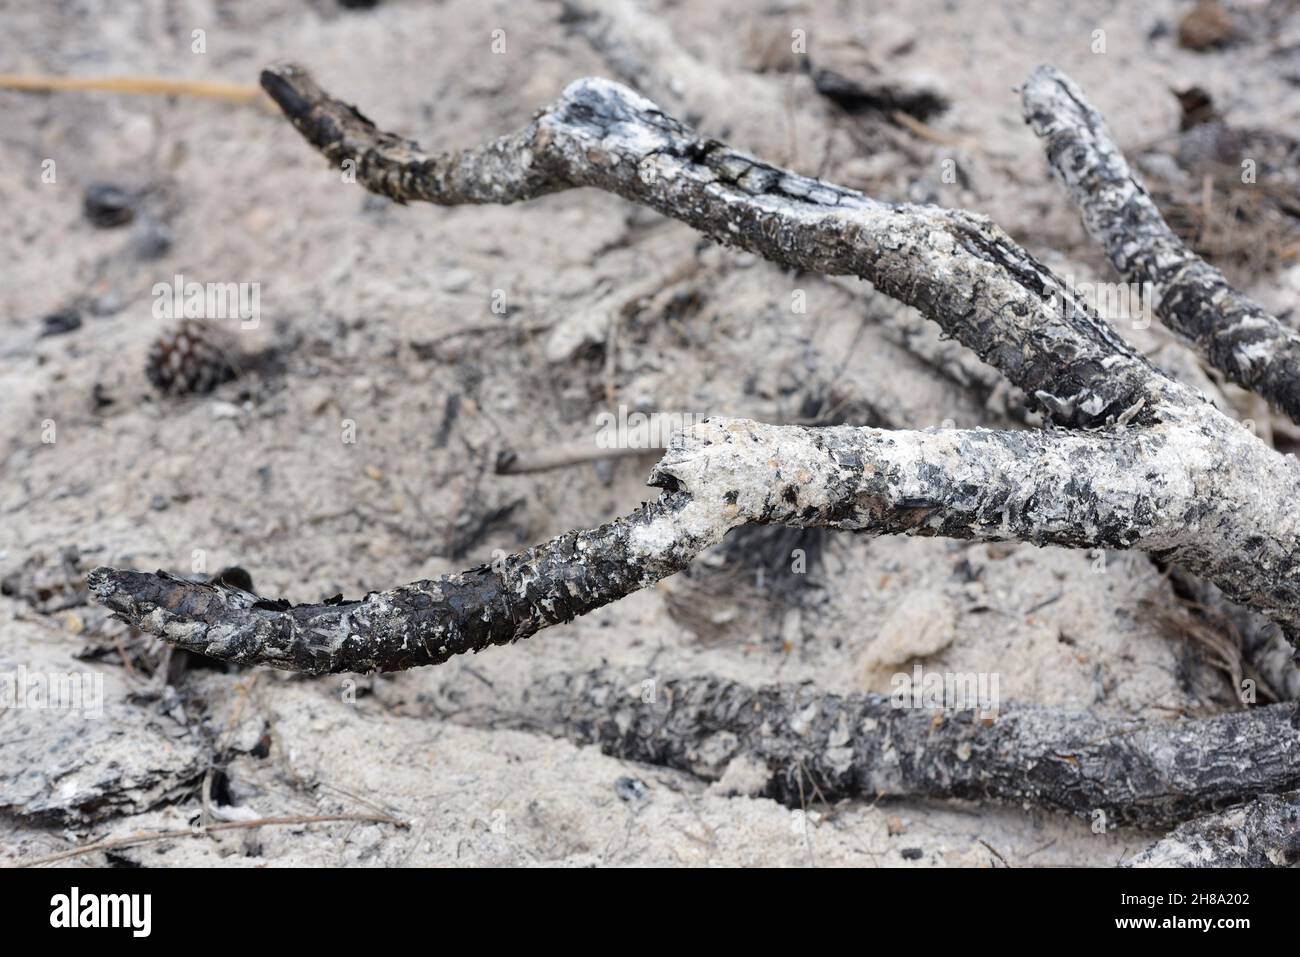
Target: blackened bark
pixel 1254 349
pixel 1170 475
pixel 957 268
pixel 423 623
pixel 1136 488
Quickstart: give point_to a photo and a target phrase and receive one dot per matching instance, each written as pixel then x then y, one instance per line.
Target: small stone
pixel 259 220
pixel 632 790
pixel 107 205
pixel 108 304
pixel 159 503
pixel 921 624
pixel 60 322
pixel 153 240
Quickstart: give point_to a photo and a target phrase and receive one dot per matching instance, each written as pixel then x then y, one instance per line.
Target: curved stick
pixel 423 623
pixel 957 268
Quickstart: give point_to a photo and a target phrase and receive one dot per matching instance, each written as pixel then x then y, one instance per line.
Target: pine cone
pixel 190 359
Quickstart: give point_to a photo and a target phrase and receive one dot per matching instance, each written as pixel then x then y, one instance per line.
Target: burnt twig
pixel 1250 346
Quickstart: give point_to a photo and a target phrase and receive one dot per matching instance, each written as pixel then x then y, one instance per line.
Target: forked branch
pixel 1167 472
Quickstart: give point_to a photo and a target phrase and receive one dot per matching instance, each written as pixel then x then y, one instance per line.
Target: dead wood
pixel 1237 336
pixel 1136 460
pixel 1144 462
pixel 794 741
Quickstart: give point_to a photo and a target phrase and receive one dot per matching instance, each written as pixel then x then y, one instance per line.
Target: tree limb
pixel 1165 490
pixel 425 622
pixel 957 268
pixel 1170 475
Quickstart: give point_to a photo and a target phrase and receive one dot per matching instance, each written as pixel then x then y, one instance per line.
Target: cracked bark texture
pixel 1143 462
pixel 642 53
pixel 425 622
pixel 1250 346
pixel 797 745
pixel 1264 832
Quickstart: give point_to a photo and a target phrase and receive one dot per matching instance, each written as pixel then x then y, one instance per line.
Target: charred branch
pixel 957 268
pixel 1166 476
pixel 797 744
pixel 1142 462
pixel 1126 489
pixel 1250 346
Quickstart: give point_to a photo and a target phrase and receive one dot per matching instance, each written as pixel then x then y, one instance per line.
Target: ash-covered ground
pixel 355 448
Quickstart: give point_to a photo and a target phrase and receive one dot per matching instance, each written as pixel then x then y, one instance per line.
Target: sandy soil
pixel 381 316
